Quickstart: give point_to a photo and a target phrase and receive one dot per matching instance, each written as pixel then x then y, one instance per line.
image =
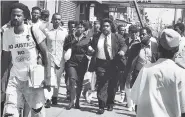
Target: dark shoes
pixel 110 108
pixel 72 105
pixel 77 106
pixel 48 104
pixel 101 111
pixel 54 100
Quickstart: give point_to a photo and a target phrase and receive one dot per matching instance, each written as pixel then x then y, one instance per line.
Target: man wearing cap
pixel 159 90
pixel 180 55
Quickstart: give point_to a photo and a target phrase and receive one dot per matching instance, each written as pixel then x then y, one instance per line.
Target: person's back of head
pixel 168 43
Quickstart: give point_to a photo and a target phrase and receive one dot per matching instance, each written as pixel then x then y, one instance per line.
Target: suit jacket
pixel 118 43
pixel 133 56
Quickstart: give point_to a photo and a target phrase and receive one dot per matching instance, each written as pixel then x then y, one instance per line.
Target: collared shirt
pixel 160 93
pixel 36 24
pixel 55 42
pixel 145 55
pixel 180 55
pixel 101 53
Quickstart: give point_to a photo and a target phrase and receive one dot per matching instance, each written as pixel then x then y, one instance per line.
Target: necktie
pixel 106 49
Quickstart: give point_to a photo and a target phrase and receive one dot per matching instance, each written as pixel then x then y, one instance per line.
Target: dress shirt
pixel 55 42
pixel 160 93
pixel 101 53
pixel 145 55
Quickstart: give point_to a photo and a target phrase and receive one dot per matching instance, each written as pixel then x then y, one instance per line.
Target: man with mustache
pixel 109 47
pixel 18 90
pixel 139 54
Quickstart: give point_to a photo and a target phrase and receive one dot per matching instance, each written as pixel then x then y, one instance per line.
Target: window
pixel 82 8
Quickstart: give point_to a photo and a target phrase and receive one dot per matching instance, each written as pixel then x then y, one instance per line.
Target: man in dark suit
pixel 109 47
pixel 140 54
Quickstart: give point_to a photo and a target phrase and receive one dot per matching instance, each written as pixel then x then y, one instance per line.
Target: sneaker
pixel 131 109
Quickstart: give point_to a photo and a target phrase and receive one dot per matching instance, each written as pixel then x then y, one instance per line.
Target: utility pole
pixel 175 16
pixel 138 12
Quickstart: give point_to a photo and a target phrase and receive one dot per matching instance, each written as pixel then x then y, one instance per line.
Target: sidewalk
pixel 87 110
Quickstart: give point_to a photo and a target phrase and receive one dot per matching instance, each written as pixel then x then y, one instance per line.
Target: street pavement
pixel 87 110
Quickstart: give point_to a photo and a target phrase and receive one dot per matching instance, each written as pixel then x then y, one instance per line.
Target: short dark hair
pixel 113 29
pixel 81 22
pixel 167 53
pixel 181 26
pixel 72 22
pixel 147 30
pixel 133 28
pixel 23 7
pixel 36 8
pixel 119 26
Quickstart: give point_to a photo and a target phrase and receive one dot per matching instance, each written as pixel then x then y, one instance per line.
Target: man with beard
pixel 140 54
pixel 108 48
pixel 18 90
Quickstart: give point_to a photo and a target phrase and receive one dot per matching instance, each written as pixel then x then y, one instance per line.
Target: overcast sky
pixel 167 15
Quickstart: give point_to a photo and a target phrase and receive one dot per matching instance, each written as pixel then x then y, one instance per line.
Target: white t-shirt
pixel 23 50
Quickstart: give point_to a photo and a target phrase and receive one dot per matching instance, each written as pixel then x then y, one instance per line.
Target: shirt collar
pixel 83 35
pixel 59 28
pixel 108 36
pixel 146 46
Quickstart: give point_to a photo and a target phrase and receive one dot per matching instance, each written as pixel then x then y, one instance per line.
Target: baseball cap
pixel 169 39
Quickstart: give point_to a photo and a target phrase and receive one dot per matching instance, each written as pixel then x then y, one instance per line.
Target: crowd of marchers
pixel 148 72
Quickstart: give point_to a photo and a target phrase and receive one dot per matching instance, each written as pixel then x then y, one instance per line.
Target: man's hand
pixel 47 84
pixel 121 53
pixel 90 50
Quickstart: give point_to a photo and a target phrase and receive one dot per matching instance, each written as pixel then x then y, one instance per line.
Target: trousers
pixel 106 82
pixel 76 74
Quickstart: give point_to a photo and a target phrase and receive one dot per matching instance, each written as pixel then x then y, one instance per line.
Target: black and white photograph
pixel 92 58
